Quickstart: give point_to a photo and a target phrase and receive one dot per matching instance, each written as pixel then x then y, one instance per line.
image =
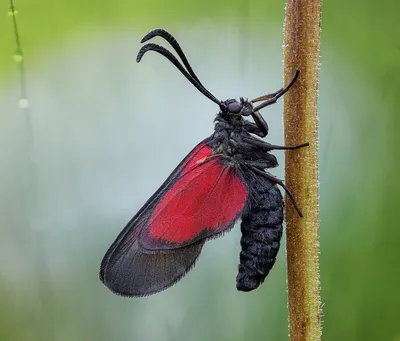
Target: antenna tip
pixel 140 55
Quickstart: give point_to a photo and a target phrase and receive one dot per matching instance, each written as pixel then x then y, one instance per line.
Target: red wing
pixel 205 200
pixel 129 270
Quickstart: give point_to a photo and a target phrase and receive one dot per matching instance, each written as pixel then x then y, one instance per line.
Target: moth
pixel 221 180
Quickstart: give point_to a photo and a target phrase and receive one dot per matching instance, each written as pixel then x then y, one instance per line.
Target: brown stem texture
pixel 301 51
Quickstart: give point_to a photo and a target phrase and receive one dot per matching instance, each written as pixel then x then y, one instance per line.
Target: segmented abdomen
pixel 261 234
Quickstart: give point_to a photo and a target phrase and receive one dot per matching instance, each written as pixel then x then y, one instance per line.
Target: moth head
pixel 232 107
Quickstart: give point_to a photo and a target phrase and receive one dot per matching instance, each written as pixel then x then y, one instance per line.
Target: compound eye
pixel 234 108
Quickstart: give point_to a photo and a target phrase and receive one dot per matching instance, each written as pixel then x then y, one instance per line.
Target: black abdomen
pixel 261 234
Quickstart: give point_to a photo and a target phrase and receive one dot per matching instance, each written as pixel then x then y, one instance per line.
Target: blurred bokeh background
pixel 102 133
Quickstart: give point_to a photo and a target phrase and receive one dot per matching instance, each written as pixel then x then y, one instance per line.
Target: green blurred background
pixel 103 133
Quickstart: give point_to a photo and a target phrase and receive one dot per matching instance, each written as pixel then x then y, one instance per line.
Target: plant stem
pixel 302 40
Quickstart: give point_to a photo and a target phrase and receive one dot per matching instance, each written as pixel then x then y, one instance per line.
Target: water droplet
pixel 23 103
pixel 12 11
pixel 18 57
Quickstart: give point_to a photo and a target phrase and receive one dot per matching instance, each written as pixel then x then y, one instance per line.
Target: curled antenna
pixel 189 73
pixel 163 51
pixel 172 41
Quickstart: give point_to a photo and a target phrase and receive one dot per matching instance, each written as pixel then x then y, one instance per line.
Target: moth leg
pixel 279 182
pixel 268 146
pixel 279 94
pixel 262 164
pixel 253 128
pixel 268 96
pixel 270 99
pixel 272 146
pixel 258 119
pixel 260 123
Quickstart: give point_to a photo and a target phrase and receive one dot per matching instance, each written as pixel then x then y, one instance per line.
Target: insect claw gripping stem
pixel 279 182
pixel 274 147
pixel 265 97
pixel 268 146
pixel 278 94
